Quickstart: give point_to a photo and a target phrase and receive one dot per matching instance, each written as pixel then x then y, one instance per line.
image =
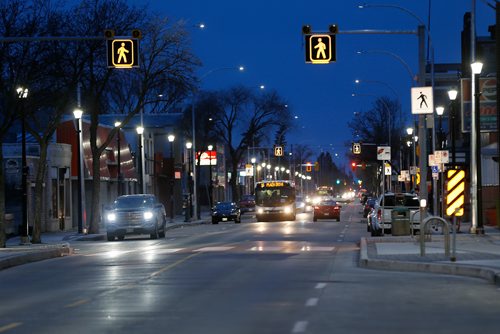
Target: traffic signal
pixel 338 181
pixel 353 165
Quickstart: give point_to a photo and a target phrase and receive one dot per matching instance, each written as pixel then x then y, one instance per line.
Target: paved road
pixel 254 277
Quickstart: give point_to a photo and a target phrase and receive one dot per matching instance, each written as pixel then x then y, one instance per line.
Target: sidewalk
pixel 57 244
pixel 476 255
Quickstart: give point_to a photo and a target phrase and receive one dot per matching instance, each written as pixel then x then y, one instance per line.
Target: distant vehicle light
pixel 111 217
pixel 148 215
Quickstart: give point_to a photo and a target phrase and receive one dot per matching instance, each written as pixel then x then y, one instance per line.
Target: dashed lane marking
pixel 77 303
pixel 320 286
pixel 10 326
pixel 213 249
pixel 312 302
pixel 300 327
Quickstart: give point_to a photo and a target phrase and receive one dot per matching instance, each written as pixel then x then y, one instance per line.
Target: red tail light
pixel 336 208
pixel 316 207
pixel 379 214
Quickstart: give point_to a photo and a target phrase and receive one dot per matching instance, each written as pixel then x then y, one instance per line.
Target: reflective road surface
pixel 254 277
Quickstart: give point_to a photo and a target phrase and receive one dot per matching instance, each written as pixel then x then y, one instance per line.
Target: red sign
pixel 207 158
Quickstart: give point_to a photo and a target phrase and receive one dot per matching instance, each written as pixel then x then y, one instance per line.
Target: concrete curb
pixel 491 275
pixel 35 254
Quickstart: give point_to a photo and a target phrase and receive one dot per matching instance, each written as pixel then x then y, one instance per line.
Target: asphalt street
pixel 254 277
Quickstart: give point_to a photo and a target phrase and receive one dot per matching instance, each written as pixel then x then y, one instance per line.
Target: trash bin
pixel 400 221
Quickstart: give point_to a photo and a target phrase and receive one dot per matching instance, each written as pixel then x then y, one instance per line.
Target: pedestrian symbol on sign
pixel 320 48
pixel 123 53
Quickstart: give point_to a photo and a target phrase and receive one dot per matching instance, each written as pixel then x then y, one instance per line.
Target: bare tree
pixel 166 69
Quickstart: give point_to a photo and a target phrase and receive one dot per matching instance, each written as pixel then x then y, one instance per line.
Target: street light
pixel 193 130
pixel 210 148
pixel 452 94
pixel 254 174
pixel 189 146
pixel 78 116
pixel 140 165
pixel 171 139
pixel 22 94
pixel 118 159
pixel 440 112
pixel 475 162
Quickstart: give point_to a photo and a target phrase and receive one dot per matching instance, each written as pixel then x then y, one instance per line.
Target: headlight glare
pixel 111 216
pixel 148 215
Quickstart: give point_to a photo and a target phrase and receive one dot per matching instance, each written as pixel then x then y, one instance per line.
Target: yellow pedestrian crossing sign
pixel 320 48
pixel 122 53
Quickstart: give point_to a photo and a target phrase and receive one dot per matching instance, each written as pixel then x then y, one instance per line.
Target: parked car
pixel 388 202
pixel 327 209
pixel 135 214
pixel 247 203
pixel 224 211
pixel 370 203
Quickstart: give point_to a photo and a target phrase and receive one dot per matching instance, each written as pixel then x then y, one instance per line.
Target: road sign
pixel 455 192
pixel 249 170
pixel 320 48
pixel 442 157
pixel 278 151
pixel 387 169
pixel 383 153
pixel 422 100
pixel 356 148
pixel 122 53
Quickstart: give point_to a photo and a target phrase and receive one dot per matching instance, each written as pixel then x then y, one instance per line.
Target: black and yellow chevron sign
pixel 455 192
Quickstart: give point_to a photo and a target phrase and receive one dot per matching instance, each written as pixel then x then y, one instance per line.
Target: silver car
pixel 135 214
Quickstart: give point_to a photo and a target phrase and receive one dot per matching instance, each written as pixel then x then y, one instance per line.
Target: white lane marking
pixel 317 249
pixel 320 286
pixel 299 327
pixel 213 249
pixel 312 302
pixel 265 249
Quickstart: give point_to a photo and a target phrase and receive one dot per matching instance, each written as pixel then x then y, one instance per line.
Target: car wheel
pixel 315 219
pixel 237 220
pixel 214 221
pixel 110 237
pixel 154 235
pixel 338 219
pixel 121 237
pixel 163 229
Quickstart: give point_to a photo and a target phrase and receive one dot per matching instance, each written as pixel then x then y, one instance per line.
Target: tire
pixel 215 221
pixel 121 237
pixel 338 219
pixel 163 230
pixel 237 220
pixel 154 235
pixel 110 237
pixel 315 219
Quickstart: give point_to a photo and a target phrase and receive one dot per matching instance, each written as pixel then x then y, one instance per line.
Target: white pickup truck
pixel 389 202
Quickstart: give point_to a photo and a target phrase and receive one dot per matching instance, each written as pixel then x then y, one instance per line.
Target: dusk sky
pixel 265 36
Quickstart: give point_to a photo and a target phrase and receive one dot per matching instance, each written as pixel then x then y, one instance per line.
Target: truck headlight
pixel 148 215
pixel 111 216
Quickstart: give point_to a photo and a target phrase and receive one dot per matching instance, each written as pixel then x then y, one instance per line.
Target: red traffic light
pixel 353 165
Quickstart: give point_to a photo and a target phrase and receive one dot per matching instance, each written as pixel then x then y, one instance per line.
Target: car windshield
pixel 220 206
pixel 129 202
pixel 400 200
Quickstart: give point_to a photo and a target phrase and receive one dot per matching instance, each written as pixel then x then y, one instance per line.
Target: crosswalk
pixel 262 247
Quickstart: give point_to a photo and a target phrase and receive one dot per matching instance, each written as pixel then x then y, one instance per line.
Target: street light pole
pixel 78 116
pixel 118 160
pixel 171 139
pixel 189 146
pixel 476 150
pixel 210 147
pixel 140 132
pixel 22 94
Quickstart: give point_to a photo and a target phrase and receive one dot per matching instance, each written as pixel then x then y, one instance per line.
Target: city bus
pixel 275 199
